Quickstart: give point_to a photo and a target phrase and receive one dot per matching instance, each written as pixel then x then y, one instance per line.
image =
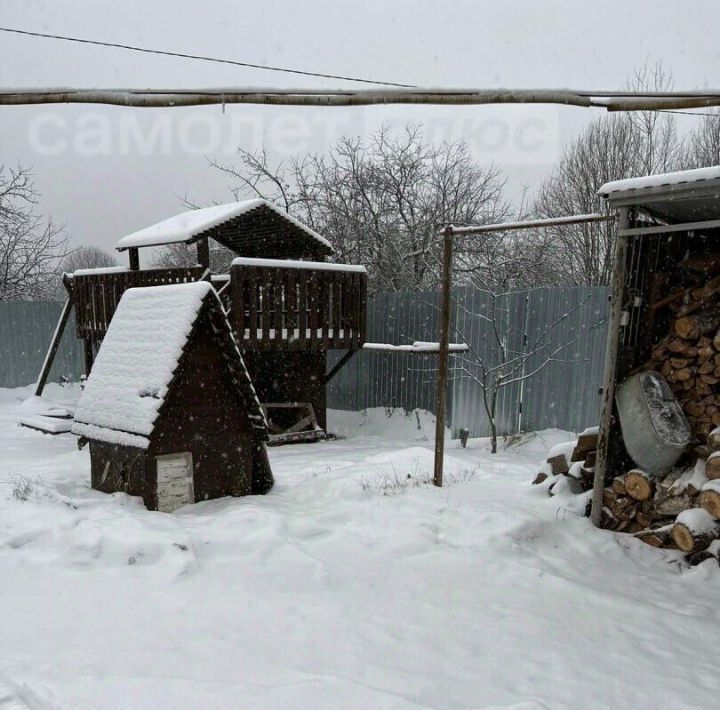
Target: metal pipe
pixel 155 98
pixel 530 224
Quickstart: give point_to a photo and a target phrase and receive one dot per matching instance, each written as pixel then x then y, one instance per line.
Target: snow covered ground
pixel 349 586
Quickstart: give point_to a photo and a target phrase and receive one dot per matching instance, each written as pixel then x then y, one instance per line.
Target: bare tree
pixel 379 201
pixel 610 148
pixel 702 147
pixel 81 258
pixel 184 255
pixel 507 357
pixel 31 248
pixel 87 258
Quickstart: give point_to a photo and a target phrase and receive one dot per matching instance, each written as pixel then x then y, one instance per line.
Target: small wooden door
pixel 174 481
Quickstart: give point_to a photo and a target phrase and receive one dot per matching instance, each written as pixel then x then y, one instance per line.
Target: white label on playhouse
pixel 174 481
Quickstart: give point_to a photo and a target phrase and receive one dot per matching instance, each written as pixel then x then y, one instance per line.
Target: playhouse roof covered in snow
pixel 248 228
pixel 684 196
pixel 138 359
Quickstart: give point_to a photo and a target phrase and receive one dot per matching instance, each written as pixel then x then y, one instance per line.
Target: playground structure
pixel 285 304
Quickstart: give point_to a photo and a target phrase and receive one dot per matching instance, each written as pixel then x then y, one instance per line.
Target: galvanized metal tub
pixel 654 427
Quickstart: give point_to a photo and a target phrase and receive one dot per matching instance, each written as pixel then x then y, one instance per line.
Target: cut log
pixel 651 538
pixel 684 374
pixel 658 537
pixel 698 324
pixel 590 460
pixel 706 350
pixel 679 346
pixel 694 530
pixel 542 476
pixel 712 468
pixel 677 363
pixel 710 498
pixel 587 442
pixel 618 486
pixel 558 464
pixel 643 519
pixel 694 409
pixel 705 369
pixel 713 440
pixel 671 505
pixel 702 452
pixel 623 509
pixel 639 485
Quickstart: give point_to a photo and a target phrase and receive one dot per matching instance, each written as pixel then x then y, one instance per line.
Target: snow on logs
pixel 638 485
pixel 694 530
pixel 570 465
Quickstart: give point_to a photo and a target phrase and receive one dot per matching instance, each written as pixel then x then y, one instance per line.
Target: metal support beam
pixel 611 361
pixel 442 380
pixel 52 350
pixel 89 357
pixel 340 364
pixel 533 224
pixel 665 228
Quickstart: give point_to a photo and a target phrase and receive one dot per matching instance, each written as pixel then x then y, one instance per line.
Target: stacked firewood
pixel 680 510
pixel 689 359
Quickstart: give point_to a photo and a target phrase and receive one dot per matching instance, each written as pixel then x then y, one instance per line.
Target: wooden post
pixel 442 379
pixel 52 350
pixel 88 350
pixel 203 253
pixel 611 361
pixel 134 258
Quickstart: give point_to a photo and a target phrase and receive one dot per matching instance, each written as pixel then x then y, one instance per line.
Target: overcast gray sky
pixel 106 171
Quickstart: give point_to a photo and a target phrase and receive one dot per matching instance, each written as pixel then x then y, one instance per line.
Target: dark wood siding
pixel 204 414
pixel 121 468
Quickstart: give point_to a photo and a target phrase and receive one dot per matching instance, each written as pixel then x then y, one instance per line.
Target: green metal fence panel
pixel 26 328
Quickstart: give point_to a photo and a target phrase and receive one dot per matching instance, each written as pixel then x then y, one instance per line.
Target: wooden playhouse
pixel 169 409
pixel 286 305
pixel 657 473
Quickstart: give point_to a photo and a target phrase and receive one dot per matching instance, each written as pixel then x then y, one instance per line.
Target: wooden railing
pixel 96 296
pixel 274 307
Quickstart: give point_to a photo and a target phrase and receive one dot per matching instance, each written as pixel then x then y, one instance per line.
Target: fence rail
pixel 275 307
pixel 562 394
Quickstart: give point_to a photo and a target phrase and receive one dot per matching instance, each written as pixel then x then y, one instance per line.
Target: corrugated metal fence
pixel 557 334
pixel 25 332
pixel 539 323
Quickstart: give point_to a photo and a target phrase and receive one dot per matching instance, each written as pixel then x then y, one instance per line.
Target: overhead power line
pixel 610 101
pixel 202 58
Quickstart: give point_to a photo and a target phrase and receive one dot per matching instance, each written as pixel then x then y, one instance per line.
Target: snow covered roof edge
pixel 187 225
pixel 660 180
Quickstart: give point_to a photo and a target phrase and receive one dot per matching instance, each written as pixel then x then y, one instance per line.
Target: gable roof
pixel 244 227
pixel 138 359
